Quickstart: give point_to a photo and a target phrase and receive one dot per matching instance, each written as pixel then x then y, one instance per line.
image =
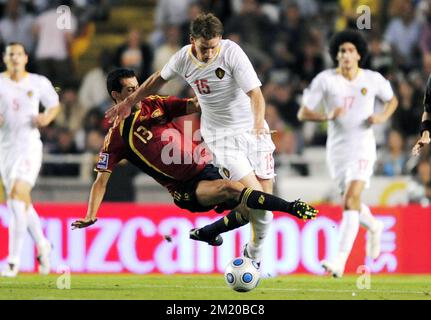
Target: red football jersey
pixel 150 140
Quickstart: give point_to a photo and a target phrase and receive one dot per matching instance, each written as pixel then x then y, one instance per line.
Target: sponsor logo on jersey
pixel 364 91
pixel 220 73
pixel 102 163
pixel 30 94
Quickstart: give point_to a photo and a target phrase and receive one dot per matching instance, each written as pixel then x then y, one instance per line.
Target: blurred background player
pixel 348 94
pixel 233 110
pixel 426 121
pixel 21 150
pixel 141 139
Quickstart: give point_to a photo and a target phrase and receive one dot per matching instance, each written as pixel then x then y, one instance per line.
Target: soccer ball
pixel 242 274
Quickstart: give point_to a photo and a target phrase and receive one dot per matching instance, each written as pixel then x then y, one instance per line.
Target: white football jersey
pixel 19 104
pixel 220 85
pixel 349 134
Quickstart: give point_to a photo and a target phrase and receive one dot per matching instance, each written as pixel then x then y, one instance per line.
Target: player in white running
pixel 21 151
pixel 232 120
pixel 347 95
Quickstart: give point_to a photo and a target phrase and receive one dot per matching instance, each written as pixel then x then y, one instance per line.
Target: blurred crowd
pixel 286 41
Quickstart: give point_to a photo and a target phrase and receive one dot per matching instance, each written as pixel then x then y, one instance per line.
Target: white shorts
pixel 20 165
pixel 237 156
pixel 344 172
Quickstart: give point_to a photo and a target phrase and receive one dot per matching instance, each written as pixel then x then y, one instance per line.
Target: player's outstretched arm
pixel 425 134
pixel 123 109
pixel 96 196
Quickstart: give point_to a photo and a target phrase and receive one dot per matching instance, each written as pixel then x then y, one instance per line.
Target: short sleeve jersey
pixel 19 104
pixel 350 132
pixel 221 86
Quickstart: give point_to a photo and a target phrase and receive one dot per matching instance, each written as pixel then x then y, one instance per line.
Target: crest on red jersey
pixel 220 73
pixel 157 113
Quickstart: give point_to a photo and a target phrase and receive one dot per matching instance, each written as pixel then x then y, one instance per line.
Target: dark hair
pixel 351 36
pixel 207 26
pixel 15 43
pixel 113 79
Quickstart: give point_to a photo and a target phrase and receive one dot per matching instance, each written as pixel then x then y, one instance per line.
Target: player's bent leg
pixel 209 193
pixel 213 192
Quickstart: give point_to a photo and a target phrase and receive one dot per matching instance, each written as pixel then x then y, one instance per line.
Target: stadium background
pixel 287 43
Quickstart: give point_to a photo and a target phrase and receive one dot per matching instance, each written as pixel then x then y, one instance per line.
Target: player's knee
pixel 15 194
pixel 18 193
pixel 352 202
pixel 229 189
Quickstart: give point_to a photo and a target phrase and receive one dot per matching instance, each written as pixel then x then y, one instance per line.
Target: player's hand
pixel 83 223
pixel 260 131
pixel 121 110
pixel 336 113
pixel 423 141
pixel 376 118
pixel 41 120
pixel 193 105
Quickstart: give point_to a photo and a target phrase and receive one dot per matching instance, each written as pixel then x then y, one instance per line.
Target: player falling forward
pixel 426 121
pixel 348 94
pixel 145 135
pixel 233 109
pixel 21 151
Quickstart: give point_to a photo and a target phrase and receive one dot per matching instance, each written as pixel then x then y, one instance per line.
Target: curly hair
pixel 351 36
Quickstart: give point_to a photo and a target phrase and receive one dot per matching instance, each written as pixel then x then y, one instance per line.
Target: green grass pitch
pixel 212 287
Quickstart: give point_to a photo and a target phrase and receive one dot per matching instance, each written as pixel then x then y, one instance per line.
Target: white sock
pixel 366 217
pixel 17 230
pixel 260 221
pixel 348 231
pixel 34 226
